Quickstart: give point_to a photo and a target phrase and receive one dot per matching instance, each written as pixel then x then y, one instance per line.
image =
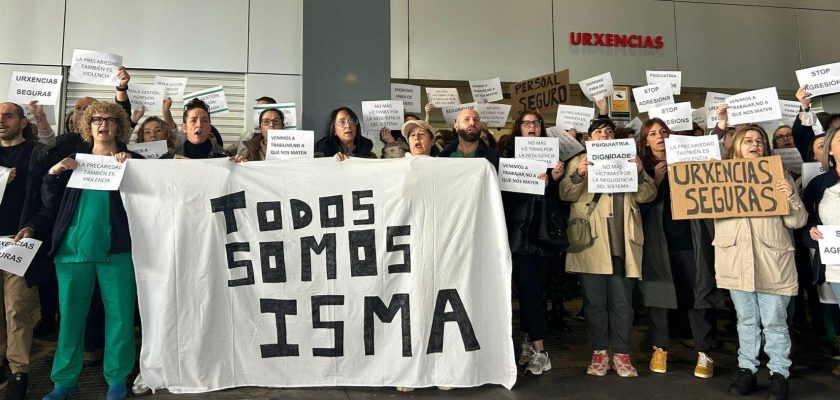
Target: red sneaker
pixel 622 366
pixel 600 363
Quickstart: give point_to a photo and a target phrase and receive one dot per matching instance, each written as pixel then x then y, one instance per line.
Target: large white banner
pixel 315 273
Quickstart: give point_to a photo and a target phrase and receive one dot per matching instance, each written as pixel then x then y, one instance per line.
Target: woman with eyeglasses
pixel 91 242
pixel 610 266
pixel 677 261
pixel 531 260
pixel 344 138
pixel 254 148
pixel 754 259
pixel 783 138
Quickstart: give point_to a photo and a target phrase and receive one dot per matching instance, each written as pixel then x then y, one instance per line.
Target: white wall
pixel 740 44
pixel 260 39
pixel 276 37
pixel 201 35
pixel 475 39
pixel 32 32
pixel 627 65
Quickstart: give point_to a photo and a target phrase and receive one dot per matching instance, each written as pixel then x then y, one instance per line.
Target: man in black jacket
pixel 469 144
pixel 22 197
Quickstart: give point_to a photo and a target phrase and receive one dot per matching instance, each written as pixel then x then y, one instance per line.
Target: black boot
pixel 744 383
pixel 778 387
pixel 18 386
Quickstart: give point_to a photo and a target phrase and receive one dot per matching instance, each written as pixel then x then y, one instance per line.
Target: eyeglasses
pixel 269 122
pixel 531 123
pixel 750 142
pixel 784 137
pixel 100 120
pixel 345 122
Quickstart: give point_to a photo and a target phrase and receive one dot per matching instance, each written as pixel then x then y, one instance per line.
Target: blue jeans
pixel 757 310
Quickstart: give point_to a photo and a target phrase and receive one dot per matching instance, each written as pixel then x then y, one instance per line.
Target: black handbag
pixel 549 233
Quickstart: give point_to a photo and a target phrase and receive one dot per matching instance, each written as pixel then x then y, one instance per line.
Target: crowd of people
pixel 83 281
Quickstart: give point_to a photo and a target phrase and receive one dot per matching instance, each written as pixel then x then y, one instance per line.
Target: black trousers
pixel 529 276
pixel 608 308
pixel 701 321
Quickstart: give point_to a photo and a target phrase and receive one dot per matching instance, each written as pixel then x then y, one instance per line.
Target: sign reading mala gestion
pixel 312 273
pixel 743 187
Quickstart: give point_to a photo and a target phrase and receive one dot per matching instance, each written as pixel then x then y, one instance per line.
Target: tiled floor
pixel 569 353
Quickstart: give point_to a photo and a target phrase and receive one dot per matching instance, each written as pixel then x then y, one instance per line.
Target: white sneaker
pixel 526 354
pixel 139 387
pixel 538 364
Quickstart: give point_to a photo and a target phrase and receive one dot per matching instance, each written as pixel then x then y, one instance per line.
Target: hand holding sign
pixel 95 67
pixel 16 255
pixel 97 172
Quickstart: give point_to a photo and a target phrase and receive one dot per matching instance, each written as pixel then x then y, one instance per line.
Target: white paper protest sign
pixel 214 97
pixel 754 106
pixel 15 257
pixel 27 86
pixel 4 179
pixel 374 228
pixel 676 116
pixel 597 87
pixel 829 245
pixel 382 114
pixel 520 175
pixel 288 110
pixel 680 148
pixel 450 112
pixel 568 146
pixel 790 110
pixel 97 173
pixel 288 144
pixel 650 96
pixel 672 78
pixel 443 96
pixel 486 91
pixel 611 170
pixel 698 116
pixel 791 159
pixel 148 96
pixel 576 117
pixel 545 149
pixel 494 115
pixel 409 95
pixel 635 125
pixel 820 80
pixel 810 170
pixel 149 150
pixel 713 99
pixel 94 67
pixel 174 86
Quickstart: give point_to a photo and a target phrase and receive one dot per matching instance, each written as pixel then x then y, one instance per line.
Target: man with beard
pixel 469 144
pixel 23 216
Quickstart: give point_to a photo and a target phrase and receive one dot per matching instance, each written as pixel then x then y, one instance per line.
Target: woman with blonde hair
pixel 754 259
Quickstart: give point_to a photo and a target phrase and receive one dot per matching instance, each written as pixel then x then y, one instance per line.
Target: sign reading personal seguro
pixel 540 92
pixel 307 273
pixel 743 187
